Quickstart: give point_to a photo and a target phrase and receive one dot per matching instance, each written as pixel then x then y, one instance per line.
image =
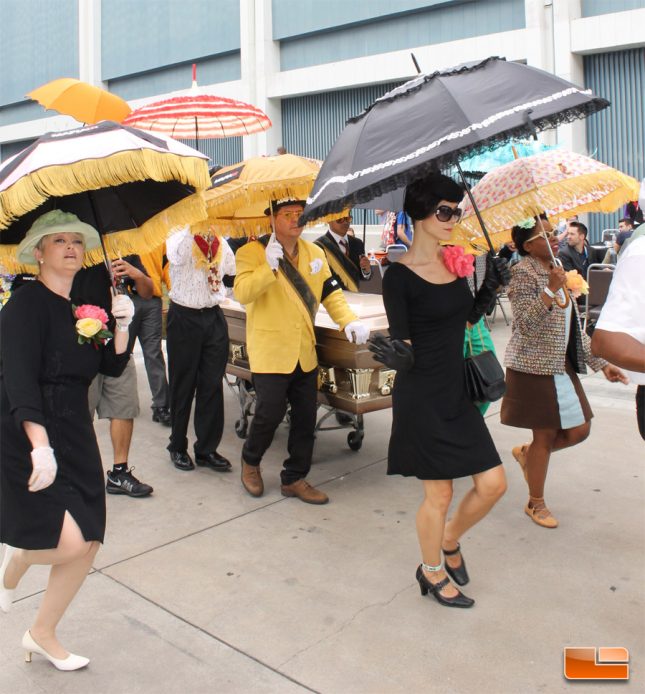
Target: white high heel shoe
pixel 72 662
pixel 6 594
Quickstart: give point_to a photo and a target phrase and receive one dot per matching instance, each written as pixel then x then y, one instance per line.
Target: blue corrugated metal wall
pixel 38 43
pixel 311 124
pixel 616 135
pixel 419 28
pixel 148 34
pixel 293 18
pixel 222 151
pixel 595 7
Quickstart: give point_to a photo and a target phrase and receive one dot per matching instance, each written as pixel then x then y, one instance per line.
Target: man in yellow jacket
pixel 282 282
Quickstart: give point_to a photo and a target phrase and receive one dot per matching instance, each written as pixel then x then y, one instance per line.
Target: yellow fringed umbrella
pixel 240 193
pixel 83 101
pixel 132 186
pixel 558 182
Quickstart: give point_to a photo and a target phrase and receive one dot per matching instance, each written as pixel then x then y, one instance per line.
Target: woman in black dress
pixel 437 432
pixel 52 494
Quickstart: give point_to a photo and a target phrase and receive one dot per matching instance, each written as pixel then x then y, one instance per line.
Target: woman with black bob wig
pixel 546 352
pixel 438 434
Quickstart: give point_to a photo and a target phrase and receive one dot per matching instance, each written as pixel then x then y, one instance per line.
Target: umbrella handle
pixel 476 209
pixel 565 300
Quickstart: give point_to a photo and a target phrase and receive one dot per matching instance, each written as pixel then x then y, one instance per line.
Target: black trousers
pixel 146 325
pixel 273 391
pixel 640 409
pixel 197 344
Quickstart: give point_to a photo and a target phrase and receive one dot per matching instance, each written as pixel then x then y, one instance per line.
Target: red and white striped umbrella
pixel 199 115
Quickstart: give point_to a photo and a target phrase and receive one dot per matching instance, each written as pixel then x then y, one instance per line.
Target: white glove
pixel 357 332
pixel 44 468
pixel 122 310
pixel 273 252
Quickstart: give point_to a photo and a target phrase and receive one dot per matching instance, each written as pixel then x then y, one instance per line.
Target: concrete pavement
pixel 201 588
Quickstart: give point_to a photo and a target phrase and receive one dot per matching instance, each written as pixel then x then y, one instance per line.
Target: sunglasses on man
pixel 444 213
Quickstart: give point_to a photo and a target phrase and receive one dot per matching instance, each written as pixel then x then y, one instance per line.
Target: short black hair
pixel 424 194
pixel 626 220
pixel 582 229
pixel 520 235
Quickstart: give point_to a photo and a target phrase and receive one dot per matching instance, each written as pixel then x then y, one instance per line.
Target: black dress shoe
pixel 458 573
pixel 214 461
pixel 426 586
pixel 161 415
pixel 181 460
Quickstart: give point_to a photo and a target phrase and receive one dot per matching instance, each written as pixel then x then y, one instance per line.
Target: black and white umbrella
pixel 130 185
pixel 433 121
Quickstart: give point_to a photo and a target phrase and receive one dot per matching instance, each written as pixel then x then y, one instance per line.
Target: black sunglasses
pixel 444 213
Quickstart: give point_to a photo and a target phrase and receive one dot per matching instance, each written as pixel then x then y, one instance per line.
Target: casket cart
pixel 351 382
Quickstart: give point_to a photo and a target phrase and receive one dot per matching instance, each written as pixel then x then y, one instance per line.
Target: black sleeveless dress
pixel 437 432
pixel 44 378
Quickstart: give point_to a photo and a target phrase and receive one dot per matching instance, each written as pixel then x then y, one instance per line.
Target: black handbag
pixel 484 376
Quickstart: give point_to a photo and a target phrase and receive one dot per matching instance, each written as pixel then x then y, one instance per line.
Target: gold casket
pixel 349 379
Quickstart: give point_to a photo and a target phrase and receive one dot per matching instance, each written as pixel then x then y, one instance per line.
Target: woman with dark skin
pixel 546 351
pixel 438 434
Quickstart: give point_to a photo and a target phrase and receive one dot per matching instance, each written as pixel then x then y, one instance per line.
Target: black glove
pixel 393 353
pixel 497 274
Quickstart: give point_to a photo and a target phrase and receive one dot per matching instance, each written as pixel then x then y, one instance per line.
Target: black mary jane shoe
pixel 459 600
pixel 458 573
pixel 214 461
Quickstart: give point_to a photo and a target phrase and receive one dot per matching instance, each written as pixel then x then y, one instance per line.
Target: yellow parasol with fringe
pixel 558 182
pixel 240 193
pixel 133 187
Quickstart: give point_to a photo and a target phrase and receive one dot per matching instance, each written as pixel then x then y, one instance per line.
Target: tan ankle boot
pixel 252 479
pixel 305 492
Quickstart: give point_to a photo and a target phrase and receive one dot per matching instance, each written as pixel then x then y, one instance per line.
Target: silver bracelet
pixel 123 328
pixel 549 293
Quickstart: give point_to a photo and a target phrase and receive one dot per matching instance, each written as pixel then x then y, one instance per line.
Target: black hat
pixel 283 202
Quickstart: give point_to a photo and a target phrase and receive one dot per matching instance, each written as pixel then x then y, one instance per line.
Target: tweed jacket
pixel 537 344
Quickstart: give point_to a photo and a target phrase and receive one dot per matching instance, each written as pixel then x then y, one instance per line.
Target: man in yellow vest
pixel 282 281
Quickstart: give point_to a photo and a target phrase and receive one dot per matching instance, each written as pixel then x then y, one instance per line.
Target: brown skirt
pixel 544 402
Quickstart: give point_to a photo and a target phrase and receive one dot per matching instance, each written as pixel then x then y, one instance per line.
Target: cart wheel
pixel 355 440
pixel 241 426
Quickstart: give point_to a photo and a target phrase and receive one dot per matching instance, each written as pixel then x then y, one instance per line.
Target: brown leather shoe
pixel 305 492
pixel 252 479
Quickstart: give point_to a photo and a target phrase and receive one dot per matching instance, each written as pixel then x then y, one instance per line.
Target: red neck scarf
pixel 209 250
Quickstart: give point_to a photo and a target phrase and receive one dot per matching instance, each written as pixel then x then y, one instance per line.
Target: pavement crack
pixel 343 626
pixel 221 641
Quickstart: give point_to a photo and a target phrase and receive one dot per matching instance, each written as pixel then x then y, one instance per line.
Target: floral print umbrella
pixel 558 182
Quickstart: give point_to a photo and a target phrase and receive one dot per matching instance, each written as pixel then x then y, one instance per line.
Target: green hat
pixel 55 222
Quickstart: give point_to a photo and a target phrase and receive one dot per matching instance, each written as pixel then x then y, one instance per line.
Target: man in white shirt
pixel 620 331
pixel 202 270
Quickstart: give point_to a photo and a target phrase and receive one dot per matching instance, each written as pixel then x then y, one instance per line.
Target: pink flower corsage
pixel 459 263
pixel 91 325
